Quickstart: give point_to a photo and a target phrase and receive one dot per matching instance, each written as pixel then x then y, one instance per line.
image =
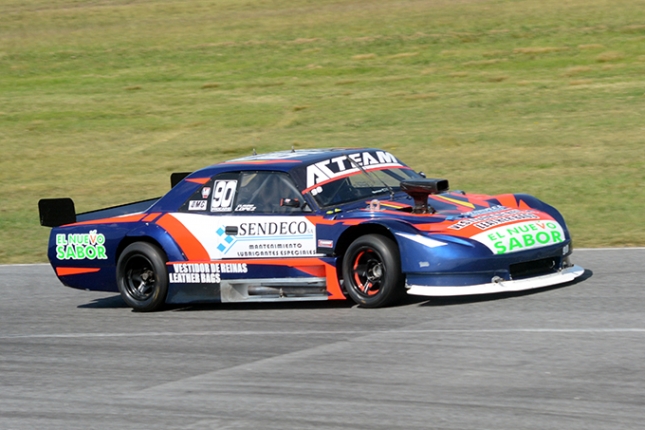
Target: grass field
pixel 101 100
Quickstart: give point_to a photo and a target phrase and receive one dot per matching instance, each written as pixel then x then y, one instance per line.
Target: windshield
pixel 362 185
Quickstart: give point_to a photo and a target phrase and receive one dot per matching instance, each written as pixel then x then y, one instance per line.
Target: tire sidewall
pixel 393 283
pixel 158 261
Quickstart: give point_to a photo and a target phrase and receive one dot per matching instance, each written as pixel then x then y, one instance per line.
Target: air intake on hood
pixel 420 189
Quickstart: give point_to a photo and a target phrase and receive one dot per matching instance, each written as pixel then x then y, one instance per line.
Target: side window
pixel 198 202
pixel 268 192
pixel 216 196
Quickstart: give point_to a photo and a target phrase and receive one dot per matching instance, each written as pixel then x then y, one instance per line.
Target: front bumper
pixel 562 276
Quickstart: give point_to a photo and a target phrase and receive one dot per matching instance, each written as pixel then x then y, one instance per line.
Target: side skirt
pixel 274 290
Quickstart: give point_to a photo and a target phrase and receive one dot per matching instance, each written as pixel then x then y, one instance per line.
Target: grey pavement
pixel 562 358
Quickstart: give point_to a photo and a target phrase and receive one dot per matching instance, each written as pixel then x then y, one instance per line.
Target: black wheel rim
pixel 140 280
pixel 368 272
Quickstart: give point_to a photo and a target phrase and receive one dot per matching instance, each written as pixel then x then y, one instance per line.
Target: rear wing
pixel 177 177
pixel 57 212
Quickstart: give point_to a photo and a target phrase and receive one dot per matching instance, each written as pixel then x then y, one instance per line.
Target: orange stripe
pixel 201 181
pixel 65 271
pixel 317 219
pixel 507 200
pixel 151 217
pixel 128 218
pixel 333 286
pixel 435 226
pixel 192 248
pixel 524 206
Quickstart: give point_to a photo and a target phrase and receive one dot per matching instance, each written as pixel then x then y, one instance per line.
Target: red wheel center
pixel 368 272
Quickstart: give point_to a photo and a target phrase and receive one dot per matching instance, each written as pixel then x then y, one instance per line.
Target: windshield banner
pixel 343 165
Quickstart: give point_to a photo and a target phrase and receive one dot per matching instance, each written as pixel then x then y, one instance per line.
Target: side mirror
pixel 290 203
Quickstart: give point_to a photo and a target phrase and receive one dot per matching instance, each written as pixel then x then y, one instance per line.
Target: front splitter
pixel 561 277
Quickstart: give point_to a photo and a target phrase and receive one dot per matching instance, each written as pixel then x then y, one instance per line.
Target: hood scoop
pixel 420 189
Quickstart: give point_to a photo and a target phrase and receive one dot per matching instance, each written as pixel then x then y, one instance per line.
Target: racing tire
pixel 142 277
pixel 372 271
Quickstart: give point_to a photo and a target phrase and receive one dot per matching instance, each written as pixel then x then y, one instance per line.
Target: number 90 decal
pixel 223 194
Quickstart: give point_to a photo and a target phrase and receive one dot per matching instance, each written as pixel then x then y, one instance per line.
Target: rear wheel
pixel 142 277
pixel 372 271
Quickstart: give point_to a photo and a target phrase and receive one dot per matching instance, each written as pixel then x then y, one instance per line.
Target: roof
pixel 306 156
pixel 280 160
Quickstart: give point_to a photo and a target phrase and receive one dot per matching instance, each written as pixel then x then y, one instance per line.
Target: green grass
pixel 102 100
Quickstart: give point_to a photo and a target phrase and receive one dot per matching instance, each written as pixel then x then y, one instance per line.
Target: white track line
pixel 319 332
pixel 24 265
pixel 634 248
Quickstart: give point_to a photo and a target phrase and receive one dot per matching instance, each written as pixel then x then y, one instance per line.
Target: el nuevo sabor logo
pixel 81 246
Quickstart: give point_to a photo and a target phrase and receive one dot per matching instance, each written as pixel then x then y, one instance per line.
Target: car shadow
pixel 261 306
pixel 105 303
pixel 115 302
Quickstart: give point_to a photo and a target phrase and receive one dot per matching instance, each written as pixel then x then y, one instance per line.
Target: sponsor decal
pixel 223 194
pixel 316 191
pixel 256 236
pixel 84 246
pixel 245 208
pixel 325 243
pixel 346 164
pixel 521 236
pixel 271 228
pixel 197 205
pixel 479 212
pixel 202 273
pixel 487 218
pixel 206 191
pixel 283 237
pixel 276 250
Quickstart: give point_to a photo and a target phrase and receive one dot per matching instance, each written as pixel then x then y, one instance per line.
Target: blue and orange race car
pixel 309 225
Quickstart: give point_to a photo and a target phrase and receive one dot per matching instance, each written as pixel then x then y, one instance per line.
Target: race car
pixel 316 224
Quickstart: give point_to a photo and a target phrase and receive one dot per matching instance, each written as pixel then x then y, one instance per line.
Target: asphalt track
pixel 562 358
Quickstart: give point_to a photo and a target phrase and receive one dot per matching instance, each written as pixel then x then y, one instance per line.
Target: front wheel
pixel 142 277
pixel 372 271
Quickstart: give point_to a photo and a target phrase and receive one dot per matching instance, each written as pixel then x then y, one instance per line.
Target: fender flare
pixel 154 234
